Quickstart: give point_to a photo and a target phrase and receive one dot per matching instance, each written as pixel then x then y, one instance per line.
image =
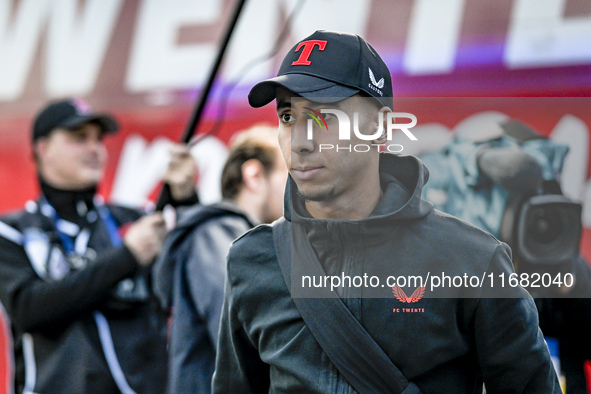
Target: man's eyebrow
pixel 282 104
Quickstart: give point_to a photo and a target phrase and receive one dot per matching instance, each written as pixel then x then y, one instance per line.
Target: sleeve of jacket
pixel 511 350
pixel 206 267
pixel 162 270
pixel 32 302
pixel 239 368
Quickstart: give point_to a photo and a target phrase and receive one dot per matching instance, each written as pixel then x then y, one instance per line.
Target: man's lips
pixel 92 164
pixel 305 173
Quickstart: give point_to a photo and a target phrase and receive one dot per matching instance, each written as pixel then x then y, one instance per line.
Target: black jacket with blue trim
pixel 78 327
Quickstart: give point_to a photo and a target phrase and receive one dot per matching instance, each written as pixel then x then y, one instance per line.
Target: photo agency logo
pixel 317 117
pixel 402 121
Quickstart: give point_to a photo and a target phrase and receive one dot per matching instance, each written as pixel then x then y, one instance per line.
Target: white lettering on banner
pixel 157 61
pixel 539 35
pixel 251 29
pixel 433 36
pixel 77 44
pixel 19 37
pixel 261 22
pixel 79 34
pixel 139 170
pixel 142 165
pixel 350 16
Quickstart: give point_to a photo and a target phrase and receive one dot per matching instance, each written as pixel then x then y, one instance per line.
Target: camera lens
pixel 549 230
pixel 545 225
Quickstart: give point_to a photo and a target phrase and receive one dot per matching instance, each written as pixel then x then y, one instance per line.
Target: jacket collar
pixel 402 179
pixel 70 205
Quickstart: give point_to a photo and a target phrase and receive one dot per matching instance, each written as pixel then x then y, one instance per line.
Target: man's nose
pixel 94 144
pixel 301 140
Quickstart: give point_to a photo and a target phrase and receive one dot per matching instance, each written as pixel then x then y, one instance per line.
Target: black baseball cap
pixel 70 114
pixel 329 65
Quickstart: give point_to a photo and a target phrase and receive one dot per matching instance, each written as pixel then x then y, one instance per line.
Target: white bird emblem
pixel 379 84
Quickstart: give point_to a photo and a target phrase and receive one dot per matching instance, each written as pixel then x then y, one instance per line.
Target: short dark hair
pixel 258 143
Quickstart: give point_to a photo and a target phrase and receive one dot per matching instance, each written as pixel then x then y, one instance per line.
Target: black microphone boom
pixel 165 196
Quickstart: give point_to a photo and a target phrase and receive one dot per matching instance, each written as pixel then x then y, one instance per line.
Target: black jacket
pixel 453 345
pixel 190 274
pixel 80 325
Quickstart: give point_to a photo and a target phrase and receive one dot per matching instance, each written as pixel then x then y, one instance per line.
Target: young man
pixel 348 213
pixel 190 273
pixel 73 270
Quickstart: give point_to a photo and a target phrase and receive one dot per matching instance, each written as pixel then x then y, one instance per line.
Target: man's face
pixel 326 175
pixel 72 159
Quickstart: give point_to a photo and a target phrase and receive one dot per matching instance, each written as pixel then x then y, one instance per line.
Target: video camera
pixel 541 225
pixel 544 232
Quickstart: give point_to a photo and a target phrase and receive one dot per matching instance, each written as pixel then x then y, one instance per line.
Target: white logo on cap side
pixel 379 84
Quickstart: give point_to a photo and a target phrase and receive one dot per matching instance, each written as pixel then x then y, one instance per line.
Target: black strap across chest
pixel 356 355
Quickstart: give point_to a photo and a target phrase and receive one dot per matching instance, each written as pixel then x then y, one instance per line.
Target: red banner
pixel 146 61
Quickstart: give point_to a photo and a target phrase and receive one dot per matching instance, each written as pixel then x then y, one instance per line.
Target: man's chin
pixel 91 179
pixel 321 195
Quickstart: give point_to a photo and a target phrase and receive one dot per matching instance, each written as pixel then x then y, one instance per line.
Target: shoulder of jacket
pixel 251 249
pixel 13 223
pixel 215 231
pixel 464 228
pixel 202 220
pixel 452 236
pixel 197 214
pixel 255 234
pixel 10 232
pixel 13 217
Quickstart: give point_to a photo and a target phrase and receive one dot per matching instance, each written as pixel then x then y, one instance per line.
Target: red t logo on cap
pixel 307 51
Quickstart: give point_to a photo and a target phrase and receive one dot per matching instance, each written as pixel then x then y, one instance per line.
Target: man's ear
pixel 252 174
pixel 384 118
pixel 40 148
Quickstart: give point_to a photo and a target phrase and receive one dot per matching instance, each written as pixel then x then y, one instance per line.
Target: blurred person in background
pixel 504 177
pixel 190 272
pixel 74 271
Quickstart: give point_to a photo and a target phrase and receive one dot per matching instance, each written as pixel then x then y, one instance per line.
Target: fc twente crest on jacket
pixel 402 297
